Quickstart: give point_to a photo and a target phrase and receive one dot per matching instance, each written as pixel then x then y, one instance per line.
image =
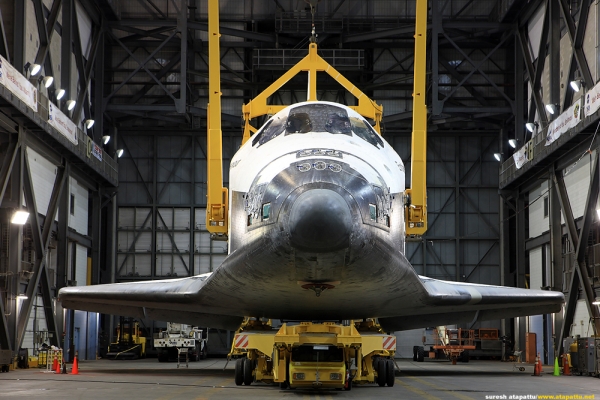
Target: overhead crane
pixel 217 195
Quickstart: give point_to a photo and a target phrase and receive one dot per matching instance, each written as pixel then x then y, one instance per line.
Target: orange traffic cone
pixel 57 369
pixel 536 368
pixel 540 364
pixel 566 369
pixel 75 369
pixel 54 363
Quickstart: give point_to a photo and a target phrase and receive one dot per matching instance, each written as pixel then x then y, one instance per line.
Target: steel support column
pixel 68 13
pixel 556 256
pixel 580 275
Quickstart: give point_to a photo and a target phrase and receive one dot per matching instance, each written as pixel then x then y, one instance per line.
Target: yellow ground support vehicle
pixel 314 355
pixel 130 344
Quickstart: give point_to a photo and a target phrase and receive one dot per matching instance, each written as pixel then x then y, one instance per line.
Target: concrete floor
pixel 149 379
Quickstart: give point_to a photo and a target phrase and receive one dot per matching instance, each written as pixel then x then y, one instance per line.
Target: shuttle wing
pixel 459 302
pixel 175 300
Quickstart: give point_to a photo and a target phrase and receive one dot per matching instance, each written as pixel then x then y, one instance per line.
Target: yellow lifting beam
pixel 312 64
pixel 216 195
pixel 416 210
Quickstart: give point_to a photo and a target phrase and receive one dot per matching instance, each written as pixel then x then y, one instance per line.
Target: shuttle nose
pixel 320 220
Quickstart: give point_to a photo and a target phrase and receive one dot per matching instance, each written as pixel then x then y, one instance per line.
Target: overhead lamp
pixel 551 108
pixel 498 156
pixel 597 301
pixel 22 297
pixel 19 217
pixel 89 123
pixel 60 94
pixel 119 153
pixel 35 69
pixel 105 139
pixel 46 81
pixel 513 143
pixel 576 84
pixel 71 104
pixel 530 126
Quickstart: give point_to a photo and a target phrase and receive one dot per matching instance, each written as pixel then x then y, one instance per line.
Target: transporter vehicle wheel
pixel 248 367
pixel 415 353
pixel 204 353
pixel 381 371
pixel 239 371
pixel 464 356
pixel 163 356
pixel 420 354
pixel 390 377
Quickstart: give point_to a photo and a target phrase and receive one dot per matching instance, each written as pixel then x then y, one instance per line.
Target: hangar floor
pixel 430 380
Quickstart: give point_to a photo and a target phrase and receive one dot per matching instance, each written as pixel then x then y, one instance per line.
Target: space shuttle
pixel 317 233
pixel 316 230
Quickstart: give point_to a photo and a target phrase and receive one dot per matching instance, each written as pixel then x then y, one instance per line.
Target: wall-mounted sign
pixel 565 121
pixel 592 100
pixel 14 81
pixel 93 149
pixel 62 123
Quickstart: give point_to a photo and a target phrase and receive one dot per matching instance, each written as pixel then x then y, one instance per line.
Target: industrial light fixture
pixel 22 297
pixel 60 94
pixel 35 69
pixel 577 84
pixel 46 81
pixel 89 123
pixel 19 217
pixel 597 301
pixel 513 143
pixel 71 104
pixel 498 156
pixel 551 108
pixel 105 139
pixel 119 153
pixel 530 126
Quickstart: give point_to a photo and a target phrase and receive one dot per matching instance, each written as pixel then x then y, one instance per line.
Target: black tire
pixel 163 356
pixel 390 376
pixel 464 356
pixel 415 353
pixel 204 352
pixel 239 371
pixel 248 368
pixel 381 371
pixel 420 354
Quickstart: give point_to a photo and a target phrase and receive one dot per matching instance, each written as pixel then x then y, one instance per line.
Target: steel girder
pixel 445 40
pixel 580 278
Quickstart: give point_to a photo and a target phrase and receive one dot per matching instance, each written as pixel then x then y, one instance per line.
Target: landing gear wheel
pixel 420 354
pixel 390 373
pixel 248 367
pixel 239 371
pixel 163 357
pixel 381 371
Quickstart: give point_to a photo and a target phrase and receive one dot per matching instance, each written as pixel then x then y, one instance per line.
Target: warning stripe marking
pixel 389 343
pixel 241 341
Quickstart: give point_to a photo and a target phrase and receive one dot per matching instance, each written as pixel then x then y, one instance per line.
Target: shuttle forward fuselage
pixel 317 206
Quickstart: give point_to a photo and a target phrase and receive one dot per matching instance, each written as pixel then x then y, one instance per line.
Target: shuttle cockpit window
pixel 318 118
pixel 298 122
pixel 338 122
pixel 365 131
pixel 272 129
